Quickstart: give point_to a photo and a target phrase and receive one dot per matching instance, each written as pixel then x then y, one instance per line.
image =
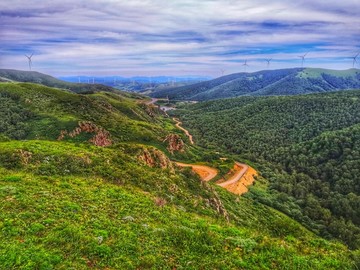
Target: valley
pixel 301 145
pixel 179 135
pixel 130 173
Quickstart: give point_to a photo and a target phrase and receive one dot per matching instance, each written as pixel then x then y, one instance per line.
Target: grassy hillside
pixel 31 111
pixel 68 203
pixel 306 146
pixel 39 78
pixel 71 206
pixel 267 83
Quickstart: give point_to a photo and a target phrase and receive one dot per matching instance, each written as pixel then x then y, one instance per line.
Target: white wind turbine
pixel 268 62
pixel 245 65
pixel 30 61
pixel 303 58
pixel 354 59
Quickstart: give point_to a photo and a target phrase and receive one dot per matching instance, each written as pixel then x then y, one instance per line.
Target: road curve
pixel 178 125
pixel 236 177
pixel 206 173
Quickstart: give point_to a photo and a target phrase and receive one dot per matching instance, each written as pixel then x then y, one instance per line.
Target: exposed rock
pixel 25 156
pixel 101 137
pixel 161 202
pixel 154 158
pixel 151 111
pixel 175 143
pixel 215 202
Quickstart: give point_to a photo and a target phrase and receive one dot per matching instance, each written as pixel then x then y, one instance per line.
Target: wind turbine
pixel 29 58
pixel 303 58
pixel 354 59
pixel 268 62
pixel 245 65
pixel 222 72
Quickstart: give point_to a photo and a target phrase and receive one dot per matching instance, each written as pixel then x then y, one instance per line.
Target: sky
pixel 177 37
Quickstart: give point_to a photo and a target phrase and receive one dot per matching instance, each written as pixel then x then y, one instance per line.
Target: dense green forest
pixel 307 146
pixel 292 81
pixel 86 181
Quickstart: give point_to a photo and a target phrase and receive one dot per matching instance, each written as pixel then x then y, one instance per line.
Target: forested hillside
pixel 267 83
pixel 87 181
pixel 307 146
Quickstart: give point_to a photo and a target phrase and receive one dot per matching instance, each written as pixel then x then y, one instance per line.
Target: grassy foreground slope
pixel 69 204
pixel 306 146
pixel 80 207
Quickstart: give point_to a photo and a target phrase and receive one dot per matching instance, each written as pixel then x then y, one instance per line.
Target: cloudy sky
pixel 177 37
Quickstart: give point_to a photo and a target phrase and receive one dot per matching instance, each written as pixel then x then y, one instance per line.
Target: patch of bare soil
pixel 206 173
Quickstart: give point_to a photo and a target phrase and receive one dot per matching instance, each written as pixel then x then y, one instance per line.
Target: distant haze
pixel 177 38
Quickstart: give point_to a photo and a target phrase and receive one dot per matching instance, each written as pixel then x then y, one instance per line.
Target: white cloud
pixel 169 36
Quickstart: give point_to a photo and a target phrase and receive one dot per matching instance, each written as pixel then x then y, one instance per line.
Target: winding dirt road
pixel 242 168
pixel 206 173
pixel 240 178
pixel 178 125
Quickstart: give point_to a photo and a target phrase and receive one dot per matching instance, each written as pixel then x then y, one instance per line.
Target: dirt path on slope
pixel 206 173
pixel 241 176
pixel 152 101
pixel 239 170
pixel 178 125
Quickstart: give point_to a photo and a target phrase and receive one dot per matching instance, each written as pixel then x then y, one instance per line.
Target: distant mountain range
pixel 8 75
pixel 266 83
pixel 138 83
pixel 140 79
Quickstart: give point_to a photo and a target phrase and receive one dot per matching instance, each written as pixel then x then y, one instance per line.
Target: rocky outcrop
pixel 25 156
pixel 154 158
pixel 215 201
pixel 175 143
pixel 151 110
pixel 101 137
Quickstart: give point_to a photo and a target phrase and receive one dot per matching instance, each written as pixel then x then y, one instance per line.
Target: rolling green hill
pixel 307 146
pixel 267 83
pixel 86 182
pixel 7 75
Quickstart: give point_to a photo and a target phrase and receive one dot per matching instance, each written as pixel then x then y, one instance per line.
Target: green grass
pixel 53 110
pixel 57 216
pixel 71 205
pixel 72 222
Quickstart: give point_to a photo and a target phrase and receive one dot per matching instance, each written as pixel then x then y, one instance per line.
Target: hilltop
pixel 293 81
pixel 11 75
pixel 88 181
